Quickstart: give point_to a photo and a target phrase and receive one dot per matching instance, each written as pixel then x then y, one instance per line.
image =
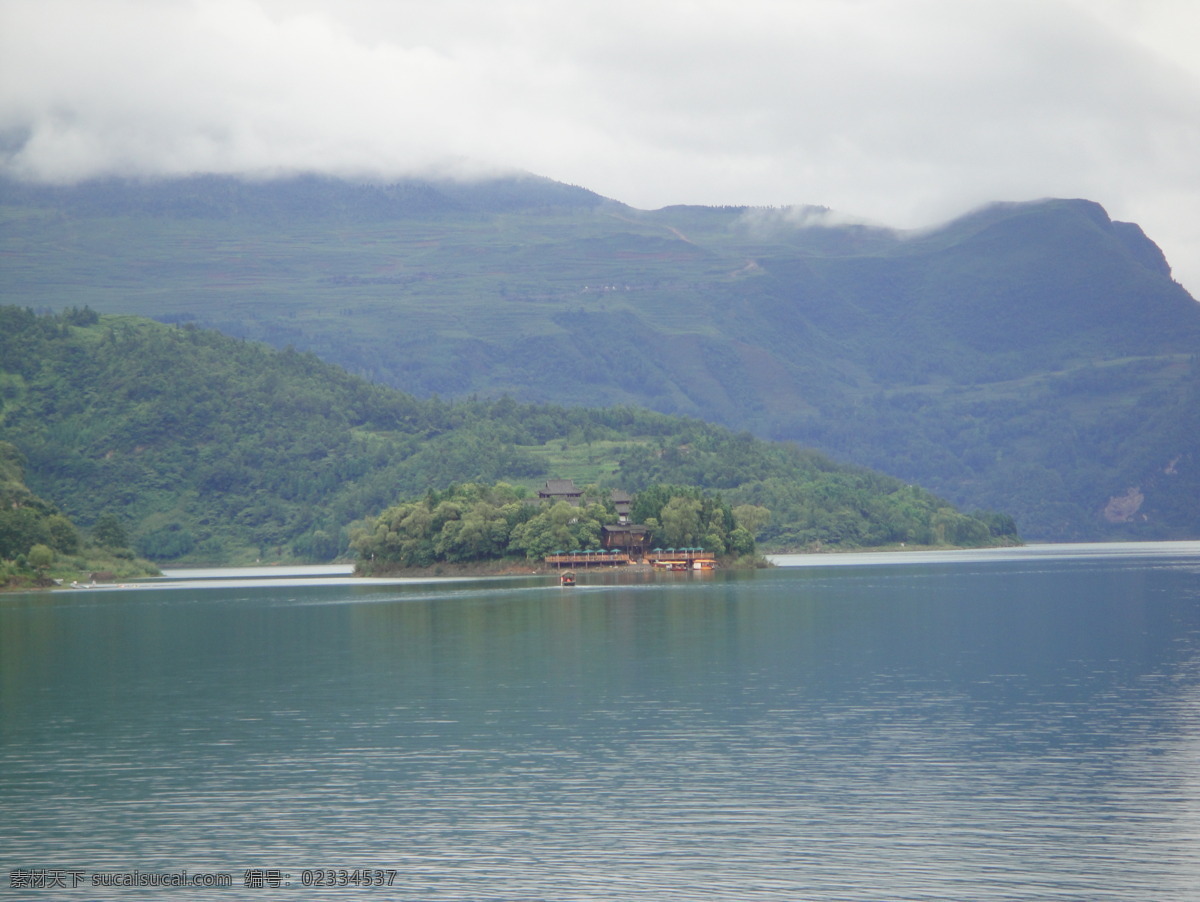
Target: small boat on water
pixel 567 578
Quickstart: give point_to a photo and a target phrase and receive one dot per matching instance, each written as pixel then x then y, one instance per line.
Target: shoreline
pixel 898 548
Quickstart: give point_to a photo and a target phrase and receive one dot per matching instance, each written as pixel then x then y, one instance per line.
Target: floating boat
pixel 567 579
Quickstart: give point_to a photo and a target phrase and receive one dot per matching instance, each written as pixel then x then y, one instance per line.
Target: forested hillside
pixel 32 531
pixel 38 541
pixel 205 447
pixel 1035 358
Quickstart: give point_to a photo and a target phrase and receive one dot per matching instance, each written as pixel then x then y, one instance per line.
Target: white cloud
pixel 901 111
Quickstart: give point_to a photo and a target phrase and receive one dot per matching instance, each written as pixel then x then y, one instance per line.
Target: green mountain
pixel 198 446
pixel 1035 358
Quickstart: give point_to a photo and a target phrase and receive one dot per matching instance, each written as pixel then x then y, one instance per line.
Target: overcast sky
pixel 903 112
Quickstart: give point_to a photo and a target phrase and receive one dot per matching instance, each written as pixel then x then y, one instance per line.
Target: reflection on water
pixel 1020 728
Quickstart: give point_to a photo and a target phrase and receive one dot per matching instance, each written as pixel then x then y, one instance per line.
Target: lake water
pixel 1020 725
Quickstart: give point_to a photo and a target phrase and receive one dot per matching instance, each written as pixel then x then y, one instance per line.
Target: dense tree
pixel 109 532
pixel 561 527
pixel 752 517
pixel 26 520
pixel 41 557
pixel 680 524
pixel 20 529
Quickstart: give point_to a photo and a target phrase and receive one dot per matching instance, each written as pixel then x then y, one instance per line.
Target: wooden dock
pixel 588 559
pixel 602 558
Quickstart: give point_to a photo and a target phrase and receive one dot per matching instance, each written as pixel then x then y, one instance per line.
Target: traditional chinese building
pixel 629 538
pixel 557 490
pixel 623 502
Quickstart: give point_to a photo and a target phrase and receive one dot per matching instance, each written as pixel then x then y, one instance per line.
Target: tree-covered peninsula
pixel 477 523
pixel 205 448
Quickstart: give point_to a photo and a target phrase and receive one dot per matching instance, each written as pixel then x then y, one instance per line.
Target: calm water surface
pixel 1013 725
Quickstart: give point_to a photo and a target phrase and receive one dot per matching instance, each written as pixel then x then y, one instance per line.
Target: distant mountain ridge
pixel 224 197
pixel 1035 358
